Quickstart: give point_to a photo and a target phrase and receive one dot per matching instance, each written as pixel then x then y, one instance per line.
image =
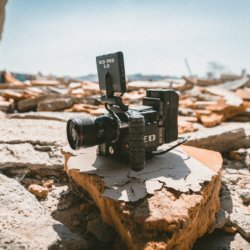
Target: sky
pixel 63 37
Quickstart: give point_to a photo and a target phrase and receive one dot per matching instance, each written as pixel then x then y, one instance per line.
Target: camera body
pixel 128 134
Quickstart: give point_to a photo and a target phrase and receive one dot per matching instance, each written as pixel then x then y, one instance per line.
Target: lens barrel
pixel 89 131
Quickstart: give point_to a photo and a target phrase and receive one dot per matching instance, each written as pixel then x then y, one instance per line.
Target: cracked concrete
pixel 19 155
pixel 158 207
pixel 25 223
pixel 223 138
pixel 181 173
pixel 41 132
pixel 31 144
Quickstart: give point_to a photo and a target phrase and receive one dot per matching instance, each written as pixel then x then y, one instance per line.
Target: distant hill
pixel 133 77
pixel 89 77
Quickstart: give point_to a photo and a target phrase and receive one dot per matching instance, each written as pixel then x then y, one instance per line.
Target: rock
pixel 51 99
pixel 45 83
pixel 243 94
pixel 48 183
pixel 6 106
pixel 26 181
pixel 32 144
pixel 175 197
pixel 235 84
pixel 234 197
pixel 230 98
pixel 225 77
pixel 242 117
pixel 245 195
pixel 231 178
pixel 230 229
pixel 30 104
pixel 76 223
pixel 26 225
pixel 25 155
pixel 247 161
pixel 186 111
pixel 2 115
pixel 222 219
pixel 55 104
pixel 236 154
pixel 224 138
pixel 38 191
pixel 207 82
pixel 225 110
pixel 100 230
pixel 242 155
pixel 210 120
pixel 55 116
pixel 11 94
pixel 136 85
pixel 88 109
pixel 35 132
pixel 186 127
pixel 240 218
pixel 220 240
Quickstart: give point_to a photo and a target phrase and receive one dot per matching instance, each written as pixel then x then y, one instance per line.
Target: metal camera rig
pixel 129 134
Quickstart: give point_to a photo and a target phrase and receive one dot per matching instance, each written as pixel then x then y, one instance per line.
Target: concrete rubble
pixel 206 104
pixel 189 206
pixel 166 198
pixel 25 224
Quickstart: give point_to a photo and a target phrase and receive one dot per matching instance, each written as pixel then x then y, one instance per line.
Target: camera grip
pixel 136 142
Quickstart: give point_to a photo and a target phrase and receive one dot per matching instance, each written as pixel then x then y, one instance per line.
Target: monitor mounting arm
pixel 110 98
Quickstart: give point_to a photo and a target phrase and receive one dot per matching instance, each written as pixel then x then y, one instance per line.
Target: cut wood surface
pixel 167 205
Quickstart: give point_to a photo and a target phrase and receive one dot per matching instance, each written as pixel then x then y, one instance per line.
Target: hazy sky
pixel 64 36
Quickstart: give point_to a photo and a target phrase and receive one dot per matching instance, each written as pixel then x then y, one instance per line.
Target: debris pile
pixel 203 103
pixel 215 113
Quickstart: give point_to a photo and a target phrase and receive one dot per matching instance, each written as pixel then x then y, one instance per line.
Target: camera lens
pixel 89 131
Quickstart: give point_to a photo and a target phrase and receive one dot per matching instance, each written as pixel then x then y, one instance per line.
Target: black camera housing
pixel 127 134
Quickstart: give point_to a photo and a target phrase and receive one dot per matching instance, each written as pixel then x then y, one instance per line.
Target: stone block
pixel 168 205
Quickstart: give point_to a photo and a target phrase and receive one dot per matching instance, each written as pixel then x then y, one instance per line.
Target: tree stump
pixel 168 205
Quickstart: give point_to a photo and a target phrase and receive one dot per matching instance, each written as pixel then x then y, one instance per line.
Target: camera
pixel 133 134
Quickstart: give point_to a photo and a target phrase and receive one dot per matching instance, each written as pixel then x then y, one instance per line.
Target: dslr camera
pixel 133 134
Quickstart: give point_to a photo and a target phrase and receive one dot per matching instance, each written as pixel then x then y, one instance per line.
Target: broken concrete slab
pixel 243 94
pixel 55 104
pixel 234 195
pixel 242 117
pixel 231 98
pixel 30 157
pixel 45 83
pixel 31 145
pixel 6 106
pixel 41 132
pixel 235 84
pixel 224 138
pixel 210 120
pixel 30 104
pixel 240 218
pixel 220 240
pixel 174 197
pixel 56 116
pixel 25 224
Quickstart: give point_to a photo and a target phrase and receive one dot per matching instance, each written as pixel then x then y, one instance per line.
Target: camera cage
pixel 111 75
